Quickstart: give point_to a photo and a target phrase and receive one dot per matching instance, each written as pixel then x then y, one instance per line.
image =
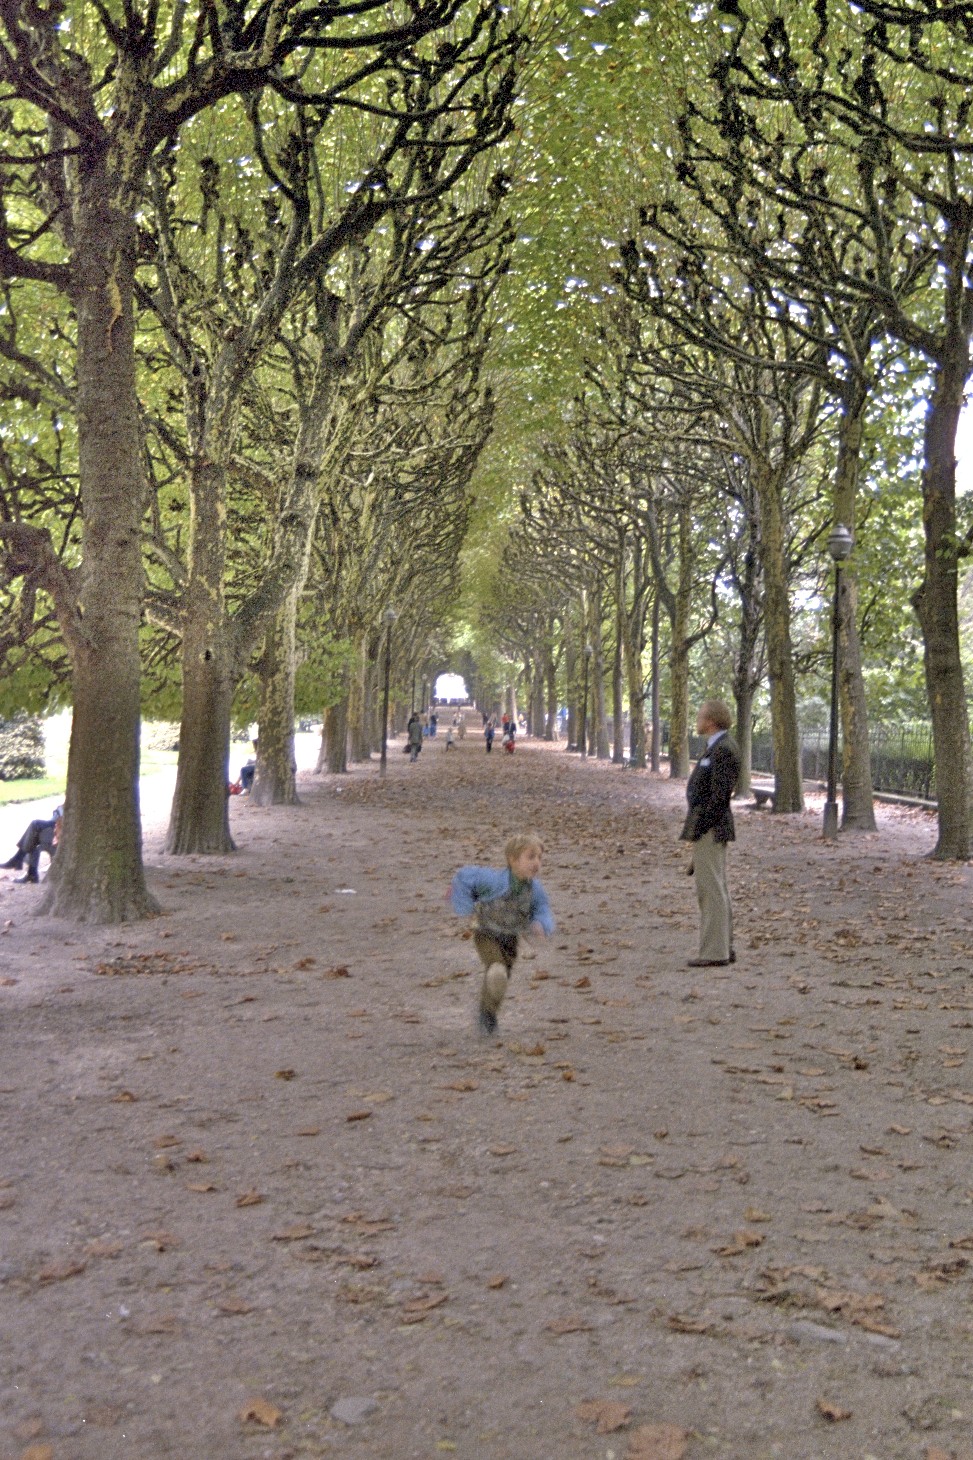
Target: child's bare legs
pixel 497 954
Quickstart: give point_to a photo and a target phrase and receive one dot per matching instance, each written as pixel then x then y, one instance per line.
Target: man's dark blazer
pixel 709 790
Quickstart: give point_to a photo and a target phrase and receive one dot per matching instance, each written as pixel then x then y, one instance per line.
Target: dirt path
pixel 264 1193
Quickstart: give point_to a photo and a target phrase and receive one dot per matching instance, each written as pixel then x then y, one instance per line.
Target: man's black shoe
pixel 708 962
pixel 15 863
pixel 28 877
pixel 488 1022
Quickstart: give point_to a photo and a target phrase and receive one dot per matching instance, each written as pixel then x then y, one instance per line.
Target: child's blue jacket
pixel 484 884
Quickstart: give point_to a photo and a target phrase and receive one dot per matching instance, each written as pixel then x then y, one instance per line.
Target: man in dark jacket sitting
pixel 40 836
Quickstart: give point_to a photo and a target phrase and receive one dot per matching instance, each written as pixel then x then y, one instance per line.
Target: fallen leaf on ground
pixel 680 1323
pixel 233 1305
pixel 161 1240
pixel 461 1085
pixel 740 1243
pixel 294 1234
pixel 285 1074
pixel 104 1247
pixel 56 1272
pixel 369 1225
pixel 416 1309
pixel 358 1115
pixel 607 1414
pixel 336 973
pixel 160 1323
pixel 832 1412
pixel 261 1412
pixel 250 1199
pixel 498 1280
pixel 38 1452
pixel 658 1442
pixel 572 1324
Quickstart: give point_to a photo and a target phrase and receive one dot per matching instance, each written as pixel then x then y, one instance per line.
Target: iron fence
pixel 901 756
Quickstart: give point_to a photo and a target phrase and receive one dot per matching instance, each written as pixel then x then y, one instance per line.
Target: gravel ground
pixel 265 1194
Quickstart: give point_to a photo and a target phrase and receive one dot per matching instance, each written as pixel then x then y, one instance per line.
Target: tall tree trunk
pixel 598 731
pixel 550 676
pixel 656 660
pixel 858 807
pixel 788 787
pixel 618 703
pixel 679 651
pixel 97 875
pixel 936 605
pixel 745 669
pixel 743 735
pixel 633 636
pixel 359 740
pixel 536 726
pixel 336 736
pixel 275 783
pixel 200 821
pixel 571 683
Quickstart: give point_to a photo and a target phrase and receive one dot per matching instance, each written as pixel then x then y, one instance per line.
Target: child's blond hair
pixel 523 841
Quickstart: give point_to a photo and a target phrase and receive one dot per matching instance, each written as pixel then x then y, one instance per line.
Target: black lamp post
pixel 588 651
pixel 840 544
pixel 390 617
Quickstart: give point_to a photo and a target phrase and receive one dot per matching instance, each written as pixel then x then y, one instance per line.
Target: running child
pixel 506 903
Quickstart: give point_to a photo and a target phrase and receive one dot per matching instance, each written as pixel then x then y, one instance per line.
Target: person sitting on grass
pixel 40 836
pixel 506 903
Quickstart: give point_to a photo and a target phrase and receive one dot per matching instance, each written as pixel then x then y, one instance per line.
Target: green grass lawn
pixel 54 784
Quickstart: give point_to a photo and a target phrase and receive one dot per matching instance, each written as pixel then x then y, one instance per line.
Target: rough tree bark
pixel 98 876
pixel 336 737
pixel 359 741
pixel 550 677
pixel 598 722
pixel 680 605
pixel 199 820
pixel 618 658
pixel 858 807
pixel 788 787
pixel 935 603
pixel 275 782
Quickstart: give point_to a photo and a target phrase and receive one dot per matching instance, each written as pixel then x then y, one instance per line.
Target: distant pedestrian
pixel 414 737
pixel 709 826
pixel 433 724
pixel 489 730
pixel 449 737
pixel 506 903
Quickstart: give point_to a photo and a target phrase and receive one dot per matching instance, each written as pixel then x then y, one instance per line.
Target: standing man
pixel 709 826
